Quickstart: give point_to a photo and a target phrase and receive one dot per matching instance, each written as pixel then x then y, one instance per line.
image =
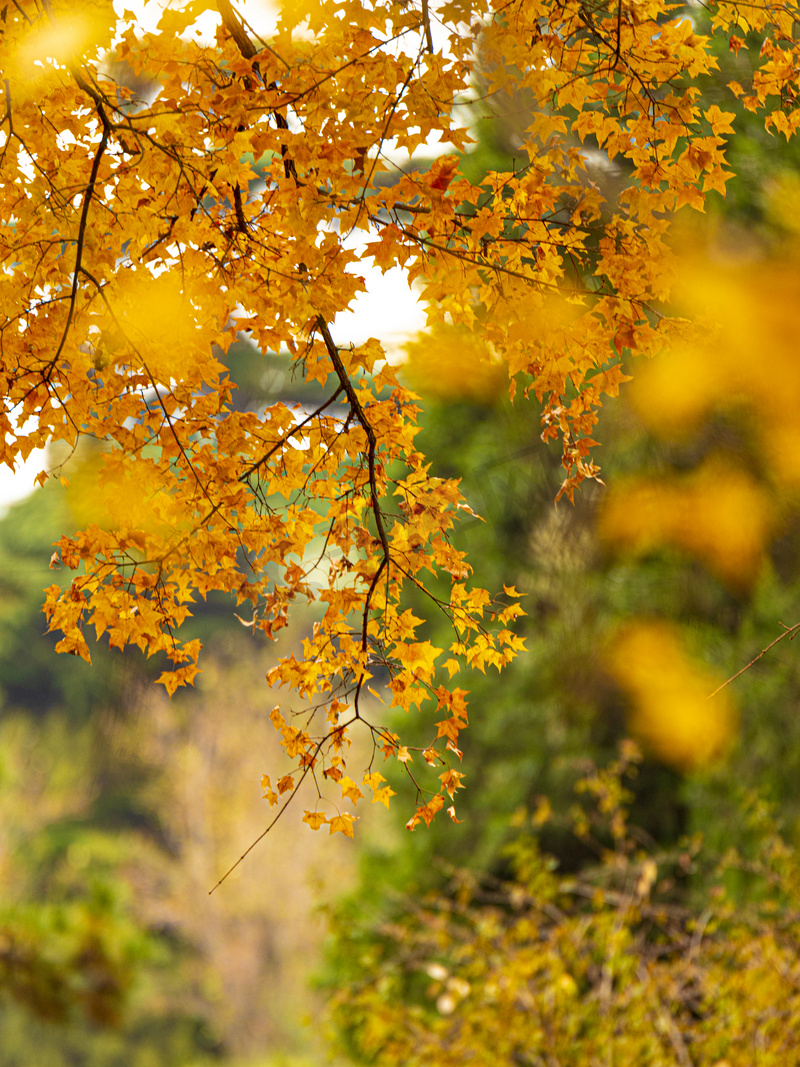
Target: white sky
pixel 16 485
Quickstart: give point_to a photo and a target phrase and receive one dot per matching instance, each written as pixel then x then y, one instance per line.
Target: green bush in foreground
pixel 646 958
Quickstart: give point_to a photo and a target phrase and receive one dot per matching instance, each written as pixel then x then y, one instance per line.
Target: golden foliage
pixel 135 240
pixel 451 363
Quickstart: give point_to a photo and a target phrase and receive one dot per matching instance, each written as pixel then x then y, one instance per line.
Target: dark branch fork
pixel 372 445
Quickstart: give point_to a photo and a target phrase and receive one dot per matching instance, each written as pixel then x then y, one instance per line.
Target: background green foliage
pixel 119 809
pixel 610 965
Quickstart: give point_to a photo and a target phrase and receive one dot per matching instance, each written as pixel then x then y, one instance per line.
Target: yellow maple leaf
pixel 350 789
pixel 418 657
pixel 383 796
pixel 426 812
pixel 269 792
pixel 451 780
pixel 373 779
pixel 342 824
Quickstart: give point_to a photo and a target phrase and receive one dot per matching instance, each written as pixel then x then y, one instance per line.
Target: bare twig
pixel 788 631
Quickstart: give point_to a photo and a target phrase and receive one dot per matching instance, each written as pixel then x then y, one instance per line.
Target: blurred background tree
pixel 119 810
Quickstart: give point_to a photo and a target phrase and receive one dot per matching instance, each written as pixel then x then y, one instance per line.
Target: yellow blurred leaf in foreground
pixel 61 36
pixel 718 514
pixel 670 712
pixel 103 492
pixel 742 352
pixel 453 363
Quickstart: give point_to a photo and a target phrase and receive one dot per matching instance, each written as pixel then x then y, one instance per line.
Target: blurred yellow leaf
pixel 159 320
pixel 782 200
pixel 453 363
pixel 56 39
pixel 718 514
pixel 741 353
pixel 670 712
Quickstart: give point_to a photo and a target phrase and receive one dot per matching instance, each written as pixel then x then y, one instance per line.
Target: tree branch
pixel 788 631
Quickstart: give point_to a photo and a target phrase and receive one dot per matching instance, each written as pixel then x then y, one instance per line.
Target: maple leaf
pixel 342 824
pixel 419 657
pixel 383 796
pixel 269 792
pixel 373 779
pixel 449 728
pixel 442 173
pixel 426 812
pixel 451 780
pixel 350 789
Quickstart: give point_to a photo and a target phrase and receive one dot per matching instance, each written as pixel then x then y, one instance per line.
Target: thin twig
pixel 269 826
pixel 789 631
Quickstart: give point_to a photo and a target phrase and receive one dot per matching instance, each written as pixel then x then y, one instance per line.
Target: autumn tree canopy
pixel 164 192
